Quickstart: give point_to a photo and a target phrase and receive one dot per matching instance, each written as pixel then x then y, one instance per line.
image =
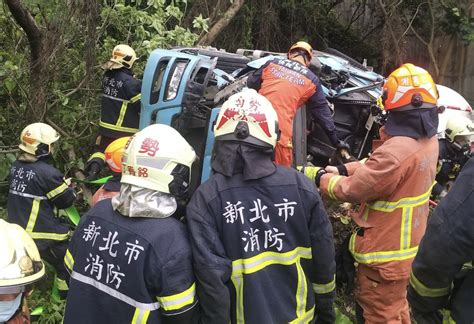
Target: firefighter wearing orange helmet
pixel 113 157
pixel 394 187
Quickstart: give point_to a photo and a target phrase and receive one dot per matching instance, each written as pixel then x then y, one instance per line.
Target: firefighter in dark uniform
pixel 289 84
pixel 442 275
pixel 37 189
pixel 262 242
pixel 120 113
pixel 129 257
pixel 454 152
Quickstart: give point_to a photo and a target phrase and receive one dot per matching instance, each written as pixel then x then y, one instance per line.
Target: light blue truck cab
pixel 177 90
pixel 186 91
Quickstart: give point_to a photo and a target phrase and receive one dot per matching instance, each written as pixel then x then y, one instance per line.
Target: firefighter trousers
pixel 381 300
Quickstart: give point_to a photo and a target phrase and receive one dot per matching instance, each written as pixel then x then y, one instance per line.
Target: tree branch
pixel 23 17
pixel 222 23
pixel 410 23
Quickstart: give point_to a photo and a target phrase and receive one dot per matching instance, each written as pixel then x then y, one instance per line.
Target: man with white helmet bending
pixel 129 258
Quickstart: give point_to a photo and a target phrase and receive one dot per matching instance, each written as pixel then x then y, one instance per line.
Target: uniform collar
pixel 113 184
pixel 240 158
pixel 417 124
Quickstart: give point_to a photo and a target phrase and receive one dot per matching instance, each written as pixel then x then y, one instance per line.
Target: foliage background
pixel 59 83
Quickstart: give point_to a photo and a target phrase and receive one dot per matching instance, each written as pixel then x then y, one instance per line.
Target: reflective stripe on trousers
pixel 261 261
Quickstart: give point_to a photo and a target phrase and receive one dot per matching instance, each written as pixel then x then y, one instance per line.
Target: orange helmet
pixel 303 46
pixel 114 152
pixel 409 87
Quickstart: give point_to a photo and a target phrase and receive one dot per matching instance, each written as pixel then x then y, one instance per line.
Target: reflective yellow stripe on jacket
pixel 69 260
pixel 259 262
pixel 324 288
pixel 331 185
pixel 34 216
pixel 97 155
pixel 57 191
pixel 406 251
pixel 178 301
pixel 425 291
pixel 123 110
pixel 140 316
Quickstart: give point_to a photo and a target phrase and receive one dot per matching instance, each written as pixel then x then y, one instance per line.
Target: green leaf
pixel 9 84
pixel 341 318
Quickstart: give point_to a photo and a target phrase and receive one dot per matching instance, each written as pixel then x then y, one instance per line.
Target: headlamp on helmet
pixel 20 261
pixel 409 87
pixel 247 117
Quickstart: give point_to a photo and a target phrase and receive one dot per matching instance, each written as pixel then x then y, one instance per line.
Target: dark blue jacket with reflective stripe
pixel 447 245
pixel 120 114
pixel 128 270
pixel 35 190
pixel 260 249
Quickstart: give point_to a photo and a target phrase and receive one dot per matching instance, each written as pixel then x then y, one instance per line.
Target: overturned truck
pixel 185 88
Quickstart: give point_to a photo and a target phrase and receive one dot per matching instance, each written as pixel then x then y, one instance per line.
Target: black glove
pixel 317 178
pixel 341 145
pixel 93 168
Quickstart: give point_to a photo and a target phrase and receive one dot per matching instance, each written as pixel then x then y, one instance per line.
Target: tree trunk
pixel 391 31
pixel 446 58
pixel 221 24
pixel 39 79
pixel 91 17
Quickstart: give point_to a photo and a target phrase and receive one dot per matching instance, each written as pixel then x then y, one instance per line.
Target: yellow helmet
pixel 36 139
pixel 459 126
pixel 247 117
pixel 20 261
pixel 158 158
pixel 122 56
pixel 113 154
pixel 303 46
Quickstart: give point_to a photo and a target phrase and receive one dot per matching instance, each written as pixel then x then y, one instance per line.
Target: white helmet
pixel 20 261
pixel 458 126
pixel 158 158
pixel 122 56
pixel 36 139
pixel 247 117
